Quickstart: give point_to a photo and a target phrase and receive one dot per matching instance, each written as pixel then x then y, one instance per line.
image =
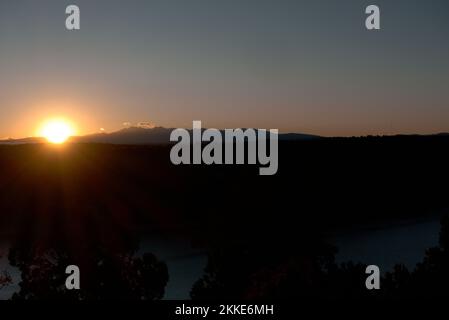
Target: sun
pixel 56 131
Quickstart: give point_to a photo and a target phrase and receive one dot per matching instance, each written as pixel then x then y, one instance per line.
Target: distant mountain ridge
pixel 139 136
pixel 29 140
pixel 157 135
pixel 131 135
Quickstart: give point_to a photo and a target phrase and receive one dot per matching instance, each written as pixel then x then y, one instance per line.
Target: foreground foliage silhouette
pixel 5 279
pixel 246 273
pixel 107 276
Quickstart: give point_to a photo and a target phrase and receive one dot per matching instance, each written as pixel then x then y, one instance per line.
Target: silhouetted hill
pixel 263 233
pixel 133 135
pixel 297 136
pixel 329 181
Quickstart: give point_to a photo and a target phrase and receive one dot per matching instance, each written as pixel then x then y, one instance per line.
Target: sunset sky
pixel 305 66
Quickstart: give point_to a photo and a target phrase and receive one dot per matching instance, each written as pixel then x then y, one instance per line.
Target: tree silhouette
pixel 5 279
pixel 107 276
pixel 264 271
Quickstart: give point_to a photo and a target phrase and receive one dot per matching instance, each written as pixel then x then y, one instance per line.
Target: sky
pixel 298 66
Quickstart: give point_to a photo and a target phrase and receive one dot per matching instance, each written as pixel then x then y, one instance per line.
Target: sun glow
pixel 56 131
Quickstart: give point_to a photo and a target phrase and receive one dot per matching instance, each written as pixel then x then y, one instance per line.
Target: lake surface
pixel 386 247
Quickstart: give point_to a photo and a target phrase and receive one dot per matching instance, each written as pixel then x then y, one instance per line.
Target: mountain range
pixel 138 136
